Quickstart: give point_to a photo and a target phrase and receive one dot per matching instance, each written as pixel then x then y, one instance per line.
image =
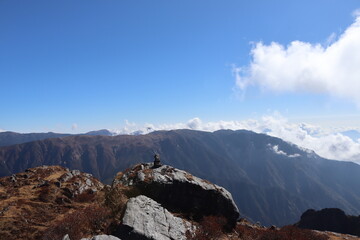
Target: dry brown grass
pixel 210 228
pixel 86 197
pixel 285 233
pixel 33 202
pixel 115 200
pixel 80 223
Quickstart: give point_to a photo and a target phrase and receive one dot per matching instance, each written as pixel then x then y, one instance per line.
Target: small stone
pixel 66 237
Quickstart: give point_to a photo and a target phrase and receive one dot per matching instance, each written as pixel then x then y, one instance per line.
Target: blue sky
pixel 76 66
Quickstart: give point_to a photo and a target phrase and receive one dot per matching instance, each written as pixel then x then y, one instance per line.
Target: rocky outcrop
pixel 35 199
pixel 55 203
pixel 146 219
pixel 181 192
pixel 80 182
pixel 330 219
pixel 102 237
pixel 98 237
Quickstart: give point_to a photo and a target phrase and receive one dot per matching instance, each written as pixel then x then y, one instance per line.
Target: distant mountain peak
pixel 101 132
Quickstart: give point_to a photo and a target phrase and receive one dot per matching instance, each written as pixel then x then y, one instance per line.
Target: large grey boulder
pixel 180 192
pixel 146 219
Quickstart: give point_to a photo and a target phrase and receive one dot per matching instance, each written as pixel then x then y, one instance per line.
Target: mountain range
pixel 10 138
pixel 272 181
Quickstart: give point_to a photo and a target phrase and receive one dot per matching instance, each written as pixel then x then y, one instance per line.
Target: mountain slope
pixel 102 132
pixel 271 181
pixel 11 138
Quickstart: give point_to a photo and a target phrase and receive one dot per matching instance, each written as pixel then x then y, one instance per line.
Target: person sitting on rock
pixel 157 161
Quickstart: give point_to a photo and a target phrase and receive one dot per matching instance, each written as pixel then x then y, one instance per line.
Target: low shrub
pixel 80 223
pixel 285 233
pixel 295 233
pixel 87 196
pixel 211 227
pixel 44 194
pixel 115 201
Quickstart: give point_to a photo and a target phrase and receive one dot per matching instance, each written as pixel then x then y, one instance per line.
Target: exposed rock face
pixel 330 219
pixel 146 219
pixel 81 182
pixel 102 237
pixel 179 191
pixel 98 237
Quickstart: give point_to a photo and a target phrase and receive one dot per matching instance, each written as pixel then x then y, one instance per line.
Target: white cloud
pixel 276 150
pixel 194 124
pixel 326 143
pixel 74 127
pixel 1 130
pixel 332 69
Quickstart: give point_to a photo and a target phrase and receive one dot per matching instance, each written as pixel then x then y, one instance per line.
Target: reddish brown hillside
pixel 32 201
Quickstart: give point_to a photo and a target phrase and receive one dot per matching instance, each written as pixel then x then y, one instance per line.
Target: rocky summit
pixel 145 202
pixel 32 201
pixel 181 192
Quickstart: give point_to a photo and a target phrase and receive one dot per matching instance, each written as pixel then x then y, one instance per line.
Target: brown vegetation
pixel 284 233
pixel 212 228
pixel 87 196
pixel 115 200
pixel 33 201
pixel 82 222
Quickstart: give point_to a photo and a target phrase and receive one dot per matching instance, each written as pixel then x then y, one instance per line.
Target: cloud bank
pixel 328 144
pixel 332 69
pixel 276 150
